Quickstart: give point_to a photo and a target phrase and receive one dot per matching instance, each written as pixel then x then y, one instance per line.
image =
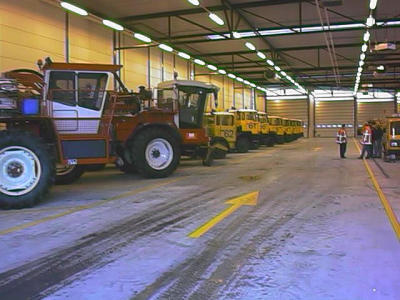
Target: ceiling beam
pixel 199 10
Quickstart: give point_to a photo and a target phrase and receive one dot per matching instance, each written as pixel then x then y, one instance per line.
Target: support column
pixel 66 37
pixel 355 116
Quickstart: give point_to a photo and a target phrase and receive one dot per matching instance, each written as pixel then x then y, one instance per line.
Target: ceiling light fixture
pixel 277 68
pixel 194 2
pixel 165 47
pixel 199 62
pixel 211 67
pixel 261 55
pixel 230 75
pixel 370 21
pixel 222 72
pixel 216 19
pixel 250 46
pixel 362 56
pixel 113 25
pixel 364 48
pixel 236 35
pixel 366 36
pixel 372 4
pixel 142 37
pixel 239 79
pixel 270 62
pixel 184 55
pixel 74 8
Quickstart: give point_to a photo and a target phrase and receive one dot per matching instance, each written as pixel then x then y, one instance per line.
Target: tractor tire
pixel 218 153
pixel 128 168
pixel 242 144
pixel 69 174
pixel 27 169
pixel 156 152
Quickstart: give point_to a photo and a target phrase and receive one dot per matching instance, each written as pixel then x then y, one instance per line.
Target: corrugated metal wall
pixel 370 111
pixel 330 114
pixel 294 109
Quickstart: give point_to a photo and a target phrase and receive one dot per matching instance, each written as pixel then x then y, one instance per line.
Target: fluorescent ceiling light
pixel 261 55
pixel 194 2
pixel 381 68
pixel 277 68
pixel 113 25
pixel 211 67
pixel 277 76
pixel 252 85
pixel 216 19
pixel 199 62
pixel 372 4
pixel 366 36
pixel 360 69
pixel 364 48
pixel 283 73
pixel 166 47
pixel 142 37
pixel 361 63
pixel 370 21
pixel 362 56
pixel 270 62
pixel 236 35
pixel 239 79
pixel 246 82
pixel 250 46
pixel 222 72
pixel 184 55
pixel 231 76
pixel 74 8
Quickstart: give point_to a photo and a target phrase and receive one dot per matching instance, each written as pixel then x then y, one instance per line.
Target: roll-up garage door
pixel 373 110
pixel 329 115
pixel 292 109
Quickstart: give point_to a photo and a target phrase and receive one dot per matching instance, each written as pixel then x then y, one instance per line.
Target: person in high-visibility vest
pixel 366 141
pixel 341 139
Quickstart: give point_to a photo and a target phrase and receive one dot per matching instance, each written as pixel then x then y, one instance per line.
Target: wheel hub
pixel 159 154
pixel 15 169
pixel 20 170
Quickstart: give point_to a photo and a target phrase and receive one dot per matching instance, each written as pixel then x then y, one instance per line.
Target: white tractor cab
pixel 191 97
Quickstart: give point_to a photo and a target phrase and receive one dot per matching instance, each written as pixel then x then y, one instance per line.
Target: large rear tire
pixel 69 174
pixel 242 144
pixel 27 169
pixel 156 152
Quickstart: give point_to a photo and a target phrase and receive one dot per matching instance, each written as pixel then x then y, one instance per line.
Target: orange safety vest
pixel 367 136
pixel 341 136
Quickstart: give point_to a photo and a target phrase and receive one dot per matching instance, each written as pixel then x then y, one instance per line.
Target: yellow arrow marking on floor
pixel 316 148
pixel 246 199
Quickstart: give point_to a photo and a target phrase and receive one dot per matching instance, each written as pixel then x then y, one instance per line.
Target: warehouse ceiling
pixel 289 35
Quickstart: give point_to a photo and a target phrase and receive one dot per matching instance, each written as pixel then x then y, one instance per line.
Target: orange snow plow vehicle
pixel 72 115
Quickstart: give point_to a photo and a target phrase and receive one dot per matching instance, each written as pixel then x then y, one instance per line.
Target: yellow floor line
pixel 92 205
pixel 386 205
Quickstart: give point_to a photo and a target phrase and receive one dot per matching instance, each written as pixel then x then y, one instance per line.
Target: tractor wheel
pixel 69 174
pixel 242 144
pixel 27 169
pixel 128 168
pixel 155 152
pixel 254 145
pixel 219 153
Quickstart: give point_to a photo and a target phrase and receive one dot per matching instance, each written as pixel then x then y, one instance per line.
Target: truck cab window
pixel 62 87
pixel 91 89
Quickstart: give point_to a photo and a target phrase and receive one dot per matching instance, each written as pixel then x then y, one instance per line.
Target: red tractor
pixel 72 116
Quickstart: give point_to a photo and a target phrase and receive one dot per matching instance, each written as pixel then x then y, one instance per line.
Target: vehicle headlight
pixel 8 103
pixel 394 144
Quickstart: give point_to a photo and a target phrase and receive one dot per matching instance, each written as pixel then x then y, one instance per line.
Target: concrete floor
pixel 318 231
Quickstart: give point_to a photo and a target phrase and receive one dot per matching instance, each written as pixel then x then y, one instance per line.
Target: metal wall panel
pixel 330 114
pixel 293 109
pixel 370 111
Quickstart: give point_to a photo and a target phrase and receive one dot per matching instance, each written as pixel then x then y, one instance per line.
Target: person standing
pixel 341 139
pixel 366 141
pixel 377 146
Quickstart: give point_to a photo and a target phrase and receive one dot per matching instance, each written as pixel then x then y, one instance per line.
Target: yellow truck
pixel 248 129
pixel 277 129
pixel 221 128
pixel 266 136
pixel 391 138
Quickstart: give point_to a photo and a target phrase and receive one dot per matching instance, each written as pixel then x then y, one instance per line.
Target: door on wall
pixel 292 109
pixel 76 100
pixel 373 110
pixel 329 115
